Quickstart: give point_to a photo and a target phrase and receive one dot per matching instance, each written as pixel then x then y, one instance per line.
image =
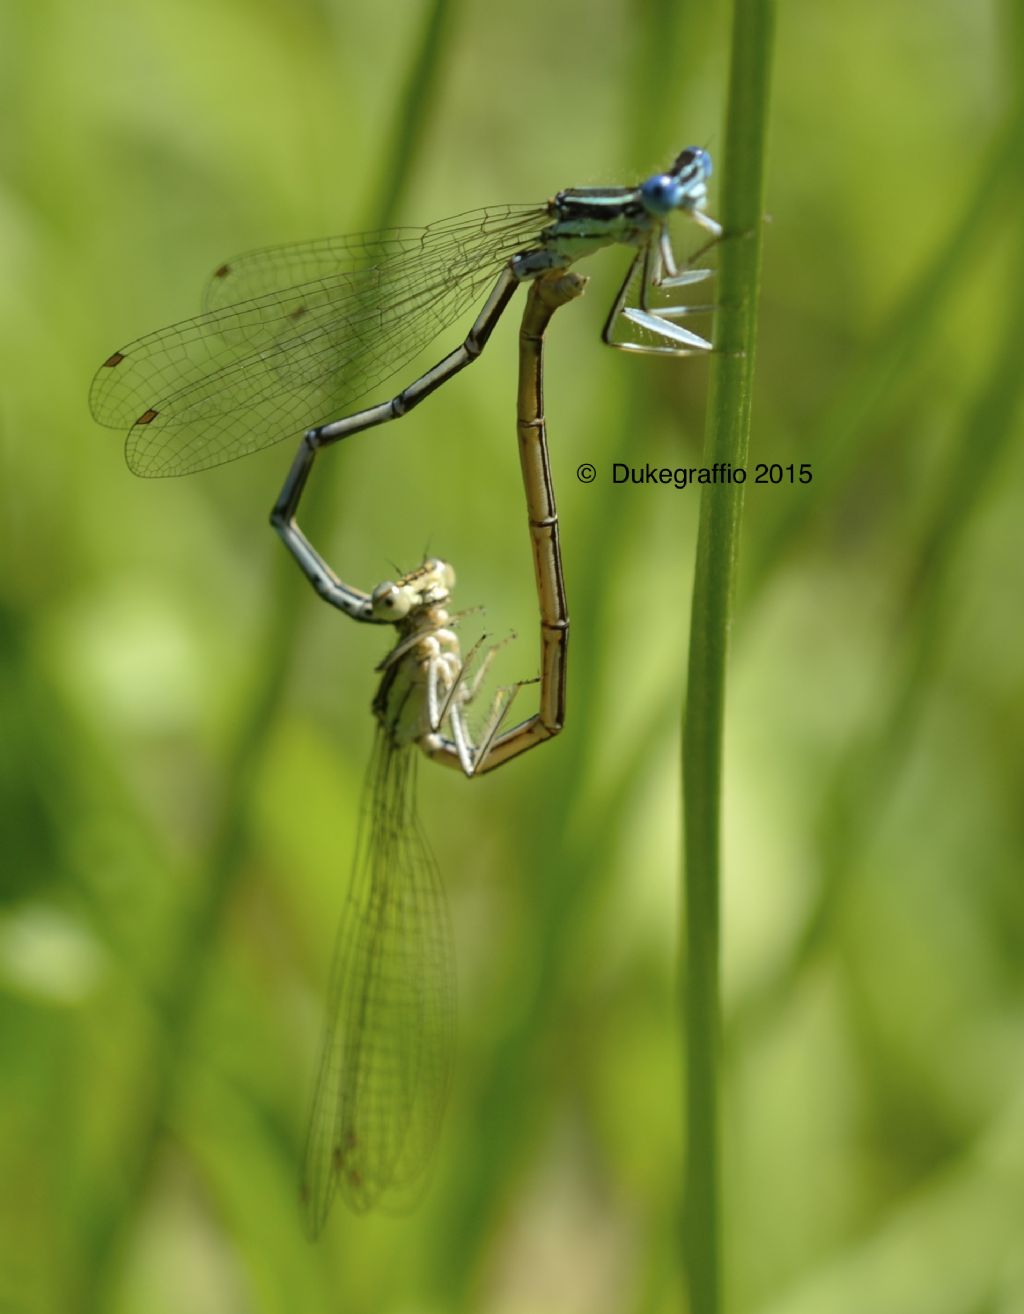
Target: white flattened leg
pixel 667 331
pixel 656 269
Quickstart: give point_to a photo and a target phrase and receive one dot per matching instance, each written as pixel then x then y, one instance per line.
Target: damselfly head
pixel 428 585
pixel 683 187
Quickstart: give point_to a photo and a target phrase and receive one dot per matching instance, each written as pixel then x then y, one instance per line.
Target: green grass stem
pixel 726 440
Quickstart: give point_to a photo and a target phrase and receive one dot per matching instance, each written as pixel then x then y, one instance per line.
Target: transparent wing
pixel 293 335
pixel 281 268
pixel 387 1056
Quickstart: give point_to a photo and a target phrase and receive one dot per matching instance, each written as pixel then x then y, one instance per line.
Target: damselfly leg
pixel 655 269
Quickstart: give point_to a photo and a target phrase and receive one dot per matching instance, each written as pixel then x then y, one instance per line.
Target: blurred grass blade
pixel 867 774
pixel 285 601
pixel 842 433
pixel 418 105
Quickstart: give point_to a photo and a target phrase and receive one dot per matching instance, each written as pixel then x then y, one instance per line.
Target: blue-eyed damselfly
pixel 293 335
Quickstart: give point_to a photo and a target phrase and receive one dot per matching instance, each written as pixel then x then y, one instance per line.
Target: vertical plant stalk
pixel 201 929
pixel 726 440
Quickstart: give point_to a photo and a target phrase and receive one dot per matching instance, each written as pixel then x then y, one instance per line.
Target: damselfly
pixel 293 336
pixel 387 1054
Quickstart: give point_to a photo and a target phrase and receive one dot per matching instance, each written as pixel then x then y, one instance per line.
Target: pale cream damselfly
pixel 387 1053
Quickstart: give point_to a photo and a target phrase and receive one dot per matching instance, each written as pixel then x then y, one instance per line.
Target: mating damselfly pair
pixel 290 338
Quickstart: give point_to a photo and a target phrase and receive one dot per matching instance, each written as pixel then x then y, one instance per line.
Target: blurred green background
pixel 184 727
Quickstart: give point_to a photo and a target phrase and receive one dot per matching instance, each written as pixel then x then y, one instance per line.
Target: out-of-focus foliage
pixel 177 823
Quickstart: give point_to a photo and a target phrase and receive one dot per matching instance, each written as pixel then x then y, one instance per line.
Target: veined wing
pixel 285 267
pixel 245 375
pixel 387 1056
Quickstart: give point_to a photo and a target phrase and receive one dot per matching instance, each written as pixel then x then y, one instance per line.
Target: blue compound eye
pixel 661 193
